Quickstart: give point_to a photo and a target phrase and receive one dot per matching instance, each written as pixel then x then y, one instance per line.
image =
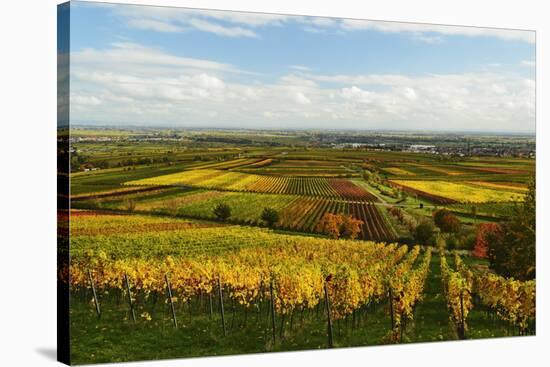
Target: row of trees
pixel 222 212
pixel 333 225
pixel 510 246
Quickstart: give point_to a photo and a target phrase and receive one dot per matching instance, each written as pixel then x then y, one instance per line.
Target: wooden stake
pixel 220 296
pixel 171 302
pixel 96 302
pixel 210 301
pixel 462 331
pixel 329 318
pixel 130 303
pixel 272 310
pixel 391 310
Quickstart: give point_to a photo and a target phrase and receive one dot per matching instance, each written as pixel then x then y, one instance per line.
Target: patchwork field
pixel 237 181
pixel 220 222
pixel 457 192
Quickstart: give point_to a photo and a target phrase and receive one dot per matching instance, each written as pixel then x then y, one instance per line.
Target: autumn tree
pixel 486 233
pixel 350 227
pixel 330 225
pixel 339 226
pixel 446 221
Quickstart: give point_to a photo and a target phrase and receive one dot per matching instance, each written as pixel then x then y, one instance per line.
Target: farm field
pixel 460 192
pixel 342 219
pixel 194 257
pixel 237 181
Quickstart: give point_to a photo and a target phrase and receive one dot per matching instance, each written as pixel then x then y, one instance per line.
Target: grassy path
pixel 431 321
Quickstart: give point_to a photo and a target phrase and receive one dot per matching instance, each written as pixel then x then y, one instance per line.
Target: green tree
pixel 270 216
pixel 222 211
pixel 512 252
pixel 424 232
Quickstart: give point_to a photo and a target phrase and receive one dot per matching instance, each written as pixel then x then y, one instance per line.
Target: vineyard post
pixel 171 301
pixel 220 296
pixel 391 309
pixel 272 310
pixel 96 302
pixel 329 318
pixel 462 331
pixel 210 302
pixel 130 303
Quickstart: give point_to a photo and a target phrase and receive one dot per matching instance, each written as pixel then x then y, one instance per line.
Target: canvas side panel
pixel 63 169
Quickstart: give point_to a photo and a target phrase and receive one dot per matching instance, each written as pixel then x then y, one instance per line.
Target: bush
pixel 270 216
pixel 222 211
pixel 424 233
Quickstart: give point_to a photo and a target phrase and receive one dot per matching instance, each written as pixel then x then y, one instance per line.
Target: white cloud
pixel 410 94
pixel 126 54
pixel 206 26
pixel 419 28
pixel 300 98
pixel 240 24
pixel 299 67
pixel 528 63
pixel 85 100
pixel 134 84
pixel 154 25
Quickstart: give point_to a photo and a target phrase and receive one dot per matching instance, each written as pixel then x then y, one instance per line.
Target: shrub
pixel 424 233
pixel 222 211
pixel 270 216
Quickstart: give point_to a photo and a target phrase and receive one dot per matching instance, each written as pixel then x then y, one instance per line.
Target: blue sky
pixel 142 65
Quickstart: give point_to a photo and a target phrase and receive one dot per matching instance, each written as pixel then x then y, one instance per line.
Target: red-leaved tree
pixel 486 232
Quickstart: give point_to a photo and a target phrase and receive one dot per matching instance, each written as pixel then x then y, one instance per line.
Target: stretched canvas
pixel 233 182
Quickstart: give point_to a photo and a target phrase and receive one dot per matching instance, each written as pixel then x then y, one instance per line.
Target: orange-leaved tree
pixel 338 225
pixel 485 232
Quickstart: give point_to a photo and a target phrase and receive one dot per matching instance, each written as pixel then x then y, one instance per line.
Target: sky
pixel 176 67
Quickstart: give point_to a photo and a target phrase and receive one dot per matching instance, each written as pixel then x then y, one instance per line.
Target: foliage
pixel 513 253
pixel 270 216
pixel 485 233
pixel 338 225
pixel 446 221
pixel 330 225
pixel 222 211
pixel 424 233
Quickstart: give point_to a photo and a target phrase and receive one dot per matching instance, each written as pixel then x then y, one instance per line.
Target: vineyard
pixel 160 271
pixel 443 192
pixel 291 276
pixel 298 213
pixel 511 300
pixel 249 242
pixel 237 181
pixel 305 213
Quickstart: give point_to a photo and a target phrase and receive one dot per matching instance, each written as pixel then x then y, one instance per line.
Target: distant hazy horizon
pixel 148 66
